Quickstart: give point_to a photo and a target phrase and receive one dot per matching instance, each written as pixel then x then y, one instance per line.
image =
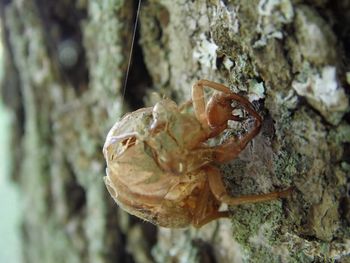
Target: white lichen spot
pixel 273 15
pixel 256 90
pixel 269 7
pixel 238 113
pixel 324 94
pixel 228 63
pixel 205 52
pixel 288 100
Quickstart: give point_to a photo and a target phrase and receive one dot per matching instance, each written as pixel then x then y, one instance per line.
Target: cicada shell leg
pixel 207 208
pixel 218 189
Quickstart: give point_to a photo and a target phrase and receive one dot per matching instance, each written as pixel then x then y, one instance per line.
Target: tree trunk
pixel 66 65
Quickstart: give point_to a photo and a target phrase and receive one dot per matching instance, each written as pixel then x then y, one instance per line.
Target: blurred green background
pixel 9 196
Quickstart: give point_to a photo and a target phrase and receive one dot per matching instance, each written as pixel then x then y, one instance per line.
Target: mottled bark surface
pixel 65 68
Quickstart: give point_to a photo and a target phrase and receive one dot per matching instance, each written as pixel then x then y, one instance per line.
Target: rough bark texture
pixel 66 63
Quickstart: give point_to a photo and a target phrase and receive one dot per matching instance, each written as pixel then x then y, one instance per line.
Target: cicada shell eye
pixel 115 146
pixel 127 143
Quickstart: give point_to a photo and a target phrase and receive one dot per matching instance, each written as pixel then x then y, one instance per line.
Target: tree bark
pixel 66 65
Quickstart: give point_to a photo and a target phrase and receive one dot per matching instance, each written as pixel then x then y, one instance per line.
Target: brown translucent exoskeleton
pixel 159 167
